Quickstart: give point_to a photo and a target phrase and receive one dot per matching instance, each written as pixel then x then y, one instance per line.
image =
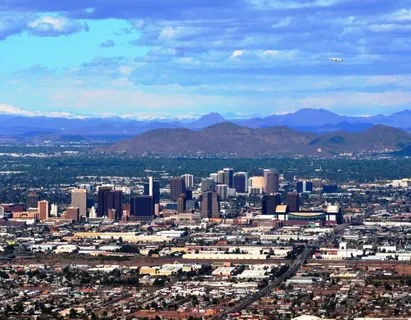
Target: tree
pixel 387 286
pixel 72 313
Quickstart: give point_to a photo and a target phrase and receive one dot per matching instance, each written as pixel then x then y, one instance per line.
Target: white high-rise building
pixel 92 213
pixel 53 210
pixel 222 191
pixel 214 177
pixel 189 180
pixel 220 176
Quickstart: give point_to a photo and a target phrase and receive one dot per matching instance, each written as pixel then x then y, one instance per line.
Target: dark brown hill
pixel 229 138
pixel 377 138
pixel 220 138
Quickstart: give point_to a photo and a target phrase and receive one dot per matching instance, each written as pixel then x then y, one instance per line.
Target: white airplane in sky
pixel 336 59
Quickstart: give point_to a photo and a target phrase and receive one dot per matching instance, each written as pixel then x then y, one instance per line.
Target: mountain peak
pixel 213 115
pixel 315 111
pixel 206 121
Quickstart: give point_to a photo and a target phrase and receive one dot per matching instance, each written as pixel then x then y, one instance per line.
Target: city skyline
pixel 178 58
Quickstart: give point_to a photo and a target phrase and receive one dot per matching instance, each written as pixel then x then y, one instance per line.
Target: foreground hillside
pixel 229 138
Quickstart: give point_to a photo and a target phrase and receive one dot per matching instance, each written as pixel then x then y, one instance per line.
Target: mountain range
pixel 15 124
pixel 228 139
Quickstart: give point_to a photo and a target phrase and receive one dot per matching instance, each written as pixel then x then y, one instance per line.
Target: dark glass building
pixel 304 186
pixel 177 187
pixel 210 207
pixel 240 182
pixel 109 199
pixel 293 201
pixel 141 207
pixel 229 177
pixel 152 188
pixel 269 203
pixel 189 194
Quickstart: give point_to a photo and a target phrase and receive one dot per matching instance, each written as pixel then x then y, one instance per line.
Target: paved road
pixel 61 261
pixel 307 253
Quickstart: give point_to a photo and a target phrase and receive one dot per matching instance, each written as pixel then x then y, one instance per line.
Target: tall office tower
pixel 115 201
pixel 229 177
pixel 79 200
pixel 92 214
pixel 43 209
pixel 177 186
pixel 207 184
pixel 189 180
pixel 73 213
pixel 142 208
pixel 189 194
pixel 257 182
pixel 109 199
pixel 220 176
pixel 181 204
pixel 269 203
pixel 153 189
pixel 293 201
pixel 210 207
pixel 53 210
pixel 102 201
pixel 32 200
pixel 222 191
pixel 240 182
pixel 272 182
pixel 304 186
pixel 214 177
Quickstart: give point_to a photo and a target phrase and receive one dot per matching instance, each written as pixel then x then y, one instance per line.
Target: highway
pixel 306 254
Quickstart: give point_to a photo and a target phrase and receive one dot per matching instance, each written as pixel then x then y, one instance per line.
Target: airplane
pixel 336 59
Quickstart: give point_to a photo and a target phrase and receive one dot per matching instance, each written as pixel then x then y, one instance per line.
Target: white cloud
pixel 49 26
pixel 402 15
pixel 271 52
pixel 126 70
pixel 289 4
pixel 389 27
pixel 282 23
pixel 237 53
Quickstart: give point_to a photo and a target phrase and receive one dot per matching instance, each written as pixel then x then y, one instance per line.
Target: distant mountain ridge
pixel 230 139
pixel 17 121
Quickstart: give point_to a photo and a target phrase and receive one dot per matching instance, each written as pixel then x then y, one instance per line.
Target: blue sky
pixel 152 58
